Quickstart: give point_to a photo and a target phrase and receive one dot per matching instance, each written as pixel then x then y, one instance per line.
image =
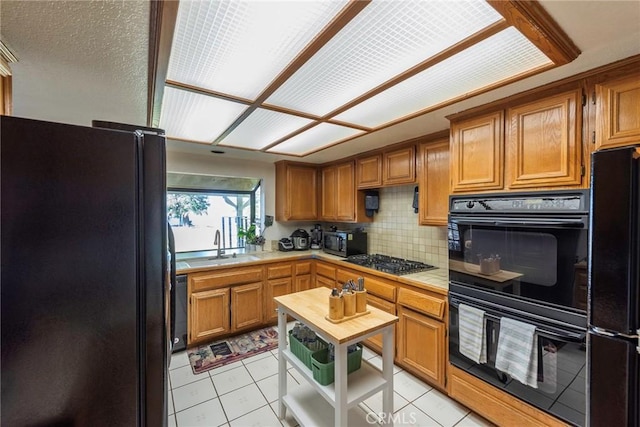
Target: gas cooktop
pixel 389 264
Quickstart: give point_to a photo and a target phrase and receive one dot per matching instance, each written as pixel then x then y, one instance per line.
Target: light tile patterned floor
pixel 245 393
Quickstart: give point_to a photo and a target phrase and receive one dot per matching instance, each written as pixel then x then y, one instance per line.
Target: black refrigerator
pixel 85 283
pixel 613 346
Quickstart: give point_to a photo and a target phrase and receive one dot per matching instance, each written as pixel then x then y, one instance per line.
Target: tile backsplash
pixel 395 230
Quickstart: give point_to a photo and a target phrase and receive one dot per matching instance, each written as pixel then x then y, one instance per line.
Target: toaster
pixel 285 244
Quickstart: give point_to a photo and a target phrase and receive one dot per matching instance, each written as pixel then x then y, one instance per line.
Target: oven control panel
pixel 558 202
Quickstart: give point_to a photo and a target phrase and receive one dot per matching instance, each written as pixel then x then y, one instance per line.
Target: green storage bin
pixel 301 351
pixel 323 370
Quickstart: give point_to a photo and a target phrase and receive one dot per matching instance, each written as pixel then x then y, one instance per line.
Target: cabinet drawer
pixel 219 278
pixel 278 271
pixel 423 303
pixel 326 271
pixel 380 288
pixel 303 268
pixel 343 276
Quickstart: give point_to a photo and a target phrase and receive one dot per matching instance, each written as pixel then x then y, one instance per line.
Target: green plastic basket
pixel 323 370
pixel 301 351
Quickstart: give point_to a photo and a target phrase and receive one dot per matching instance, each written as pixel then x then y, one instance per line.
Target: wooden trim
pixel 6 96
pixel 530 18
pixel 162 22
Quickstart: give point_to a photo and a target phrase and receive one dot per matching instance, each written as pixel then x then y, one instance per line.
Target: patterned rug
pixel 232 349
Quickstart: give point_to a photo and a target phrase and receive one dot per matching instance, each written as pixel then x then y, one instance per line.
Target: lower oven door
pixel 561 385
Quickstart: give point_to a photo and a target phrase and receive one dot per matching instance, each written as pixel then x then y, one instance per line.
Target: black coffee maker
pixel 316 237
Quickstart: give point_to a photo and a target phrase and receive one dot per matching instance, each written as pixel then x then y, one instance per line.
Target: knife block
pixel 336 307
pixel 349 304
pixel 361 301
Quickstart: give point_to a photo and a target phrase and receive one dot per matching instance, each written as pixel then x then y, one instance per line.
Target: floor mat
pixel 232 349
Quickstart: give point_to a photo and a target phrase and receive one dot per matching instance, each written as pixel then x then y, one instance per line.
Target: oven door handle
pixel 574 222
pixel 564 335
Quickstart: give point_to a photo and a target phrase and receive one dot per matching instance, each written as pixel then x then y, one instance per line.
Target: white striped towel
pixel 472 333
pixel 517 353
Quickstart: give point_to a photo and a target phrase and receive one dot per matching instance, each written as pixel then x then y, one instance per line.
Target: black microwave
pixel 345 243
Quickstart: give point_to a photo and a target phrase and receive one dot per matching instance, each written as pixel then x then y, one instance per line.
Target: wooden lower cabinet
pixel 375 342
pixel 275 288
pixel 209 314
pixel 493 404
pixel 246 306
pixel 421 344
pixel 302 276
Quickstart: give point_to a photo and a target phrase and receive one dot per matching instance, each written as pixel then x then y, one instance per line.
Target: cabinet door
pixel 246 306
pixel 433 183
pixel 375 342
pixel 302 283
pixel 209 314
pixel 477 154
pixel 399 166
pixel 542 143
pixel 296 192
pixel 369 172
pixel 275 288
pixel 328 198
pixel 421 345
pixel 345 192
pixel 618 112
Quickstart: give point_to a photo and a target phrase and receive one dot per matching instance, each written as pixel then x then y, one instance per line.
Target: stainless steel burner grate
pixel 388 264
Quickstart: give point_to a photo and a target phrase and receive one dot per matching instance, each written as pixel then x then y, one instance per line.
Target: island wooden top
pixel 474 270
pixel 312 306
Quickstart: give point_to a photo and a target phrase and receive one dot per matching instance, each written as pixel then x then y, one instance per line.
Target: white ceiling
pixel 84 60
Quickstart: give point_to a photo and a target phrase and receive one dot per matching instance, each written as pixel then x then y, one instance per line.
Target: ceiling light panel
pixel 314 139
pixel 239 47
pixel 196 117
pixel 497 58
pixel 262 128
pixel 384 40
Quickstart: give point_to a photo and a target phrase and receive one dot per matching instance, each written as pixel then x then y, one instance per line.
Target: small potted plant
pixel 251 239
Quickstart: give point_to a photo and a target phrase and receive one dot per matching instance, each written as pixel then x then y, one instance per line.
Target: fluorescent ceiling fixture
pixel 317 137
pixel 383 41
pixel 195 117
pixel 250 73
pixel 262 128
pixel 239 47
pixel 500 57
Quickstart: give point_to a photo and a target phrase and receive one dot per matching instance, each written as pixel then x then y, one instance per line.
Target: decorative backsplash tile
pixel 395 230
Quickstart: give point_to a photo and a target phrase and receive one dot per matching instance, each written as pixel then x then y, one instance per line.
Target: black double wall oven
pixel 523 257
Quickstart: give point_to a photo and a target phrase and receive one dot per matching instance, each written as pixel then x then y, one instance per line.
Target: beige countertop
pixel 436 280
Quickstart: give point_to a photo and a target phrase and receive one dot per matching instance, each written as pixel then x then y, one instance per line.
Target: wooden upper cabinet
pixel 369 172
pixel 618 112
pixel 296 192
pixel 399 166
pixel 339 199
pixel 328 199
pixel 543 143
pixel 477 153
pixel 433 182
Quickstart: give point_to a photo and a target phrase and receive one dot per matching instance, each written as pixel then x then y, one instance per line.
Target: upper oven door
pixel 537 258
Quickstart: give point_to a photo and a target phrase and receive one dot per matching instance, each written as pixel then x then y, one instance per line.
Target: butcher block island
pixel 312 307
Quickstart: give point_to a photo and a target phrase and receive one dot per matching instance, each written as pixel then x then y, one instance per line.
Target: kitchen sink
pixel 212 261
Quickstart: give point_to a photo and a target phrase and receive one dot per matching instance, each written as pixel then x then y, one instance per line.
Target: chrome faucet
pixel 216 241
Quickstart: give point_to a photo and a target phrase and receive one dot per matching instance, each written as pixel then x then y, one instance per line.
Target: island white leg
pixel 340 374
pixel 387 373
pixel 282 363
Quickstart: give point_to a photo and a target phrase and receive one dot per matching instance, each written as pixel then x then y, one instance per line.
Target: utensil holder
pixel 361 301
pixel 349 304
pixel 336 307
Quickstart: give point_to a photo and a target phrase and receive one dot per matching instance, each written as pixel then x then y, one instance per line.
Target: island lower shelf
pixel 308 410
pixel 361 384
